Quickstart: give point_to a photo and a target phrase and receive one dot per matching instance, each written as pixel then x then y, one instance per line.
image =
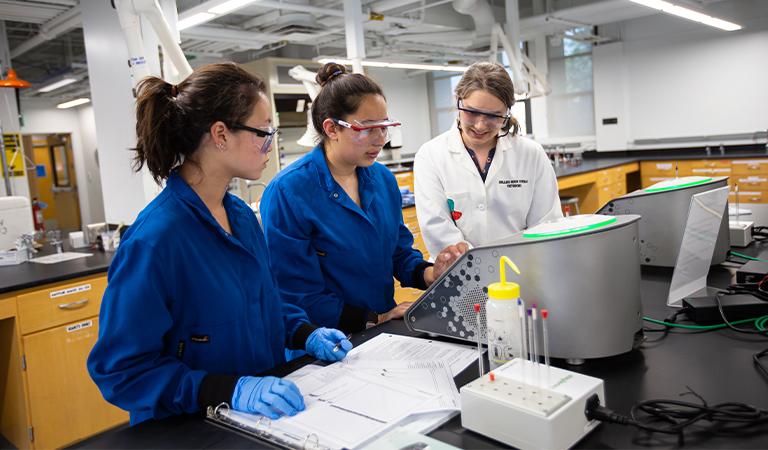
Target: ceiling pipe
pixel 60 24
pixel 482 16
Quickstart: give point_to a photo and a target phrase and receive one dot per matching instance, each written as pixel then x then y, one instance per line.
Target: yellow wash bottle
pixel 502 315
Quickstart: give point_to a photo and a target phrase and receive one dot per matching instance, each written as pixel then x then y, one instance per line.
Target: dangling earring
pixel 220 146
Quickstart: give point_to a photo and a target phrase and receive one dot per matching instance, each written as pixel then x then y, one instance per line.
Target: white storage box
pixel 15 220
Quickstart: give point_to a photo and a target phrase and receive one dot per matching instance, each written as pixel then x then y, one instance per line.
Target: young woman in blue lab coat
pixel 192 315
pixel 333 219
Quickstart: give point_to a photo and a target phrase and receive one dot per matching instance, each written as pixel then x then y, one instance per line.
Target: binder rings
pixel 262 430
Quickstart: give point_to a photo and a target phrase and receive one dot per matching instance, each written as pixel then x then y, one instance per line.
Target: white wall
pixel 407 102
pixel 42 117
pixel 682 79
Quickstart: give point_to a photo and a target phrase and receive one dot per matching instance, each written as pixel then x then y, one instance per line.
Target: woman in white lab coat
pixel 481 181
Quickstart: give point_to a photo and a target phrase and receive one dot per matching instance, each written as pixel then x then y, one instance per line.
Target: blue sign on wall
pixel 40 170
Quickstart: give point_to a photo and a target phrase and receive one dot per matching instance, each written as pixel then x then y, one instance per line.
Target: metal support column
pixel 353 26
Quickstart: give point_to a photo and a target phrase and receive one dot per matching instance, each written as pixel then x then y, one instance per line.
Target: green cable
pixel 760 323
pixel 751 258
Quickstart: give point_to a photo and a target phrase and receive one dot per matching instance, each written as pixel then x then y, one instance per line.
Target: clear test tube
pixel 530 336
pixel 523 343
pixel 480 364
pixel 535 332
pixel 544 320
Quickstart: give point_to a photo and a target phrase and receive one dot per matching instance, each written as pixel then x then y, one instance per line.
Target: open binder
pixel 351 404
pixel 262 430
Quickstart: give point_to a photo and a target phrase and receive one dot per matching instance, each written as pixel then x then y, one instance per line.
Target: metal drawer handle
pixel 73 305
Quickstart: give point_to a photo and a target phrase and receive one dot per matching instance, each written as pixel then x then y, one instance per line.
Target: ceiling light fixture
pixel 229 6
pixel 207 11
pixel 76 102
pixel 689 14
pixel 57 84
pixel 195 19
pixel 396 65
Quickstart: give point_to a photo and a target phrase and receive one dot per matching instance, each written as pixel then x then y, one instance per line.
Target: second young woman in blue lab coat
pixel 192 316
pixel 333 219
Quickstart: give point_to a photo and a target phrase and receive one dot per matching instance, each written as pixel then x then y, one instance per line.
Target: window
pixel 570 109
pixel 442 104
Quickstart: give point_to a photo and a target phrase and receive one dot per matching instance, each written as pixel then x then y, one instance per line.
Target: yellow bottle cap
pixel 504 290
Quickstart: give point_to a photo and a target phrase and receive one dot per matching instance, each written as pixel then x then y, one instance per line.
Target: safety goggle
pixel 472 116
pixel 268 133
pixel 368 129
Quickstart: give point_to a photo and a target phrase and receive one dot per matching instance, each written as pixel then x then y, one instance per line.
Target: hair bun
pixel 328 72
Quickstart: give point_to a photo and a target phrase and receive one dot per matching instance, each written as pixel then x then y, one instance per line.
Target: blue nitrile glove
pixel 268 396
pixel 323 341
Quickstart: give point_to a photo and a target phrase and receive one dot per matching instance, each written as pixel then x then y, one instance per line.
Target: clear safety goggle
pixel 267 133
pixel 471 116
pixel 369 129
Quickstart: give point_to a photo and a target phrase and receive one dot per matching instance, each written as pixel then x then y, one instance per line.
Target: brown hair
pixel 341 94
pixel 172 120
pixel 493 78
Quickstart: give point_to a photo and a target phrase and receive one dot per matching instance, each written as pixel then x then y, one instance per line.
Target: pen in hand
pixel 337 347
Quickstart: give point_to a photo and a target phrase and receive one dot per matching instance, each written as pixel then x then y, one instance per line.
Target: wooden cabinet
pixel 412 222
pixel 751 175
pixel 405 179
pixel 595 189
pixel 51 335
pixel 65 404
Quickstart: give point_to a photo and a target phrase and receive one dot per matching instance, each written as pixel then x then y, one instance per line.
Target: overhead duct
pixel 482 15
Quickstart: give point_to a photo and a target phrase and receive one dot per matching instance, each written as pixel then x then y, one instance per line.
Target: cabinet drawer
pixel 609 176
pixel 61 303
pixel 748 197
pixel 750 166
pixel 405 179
pixel 665 168
pixel 409 214
pixel 751 183
pixel 711 164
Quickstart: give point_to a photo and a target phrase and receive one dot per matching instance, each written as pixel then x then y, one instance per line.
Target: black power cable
pixel 674 416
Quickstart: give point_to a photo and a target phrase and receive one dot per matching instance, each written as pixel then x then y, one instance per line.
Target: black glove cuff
pixel 216 389
pixel 417 279
pixel 299 341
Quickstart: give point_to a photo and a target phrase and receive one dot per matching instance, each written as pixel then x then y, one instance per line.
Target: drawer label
pixel 79 326
pixel 69 291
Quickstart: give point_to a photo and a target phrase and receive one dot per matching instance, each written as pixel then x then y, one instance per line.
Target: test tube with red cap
pixel 544 320
pixel 479 344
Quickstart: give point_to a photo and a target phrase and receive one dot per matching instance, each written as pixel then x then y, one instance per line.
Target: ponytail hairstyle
pixel 341 94
pixel 493 78
pixel 171 120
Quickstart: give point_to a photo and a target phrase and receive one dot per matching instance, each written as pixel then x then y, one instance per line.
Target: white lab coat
pixel 520 191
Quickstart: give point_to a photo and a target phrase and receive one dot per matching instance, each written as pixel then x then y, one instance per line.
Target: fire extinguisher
pixel 37 215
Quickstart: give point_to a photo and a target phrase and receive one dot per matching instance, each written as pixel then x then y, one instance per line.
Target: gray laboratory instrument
pixel 664 210
pixel 584 269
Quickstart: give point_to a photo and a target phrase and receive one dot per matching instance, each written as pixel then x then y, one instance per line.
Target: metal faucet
pixel 54 238
pixel 27 242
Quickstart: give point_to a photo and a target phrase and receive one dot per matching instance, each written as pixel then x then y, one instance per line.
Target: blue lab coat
pixel 326 251
pixel 185 298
